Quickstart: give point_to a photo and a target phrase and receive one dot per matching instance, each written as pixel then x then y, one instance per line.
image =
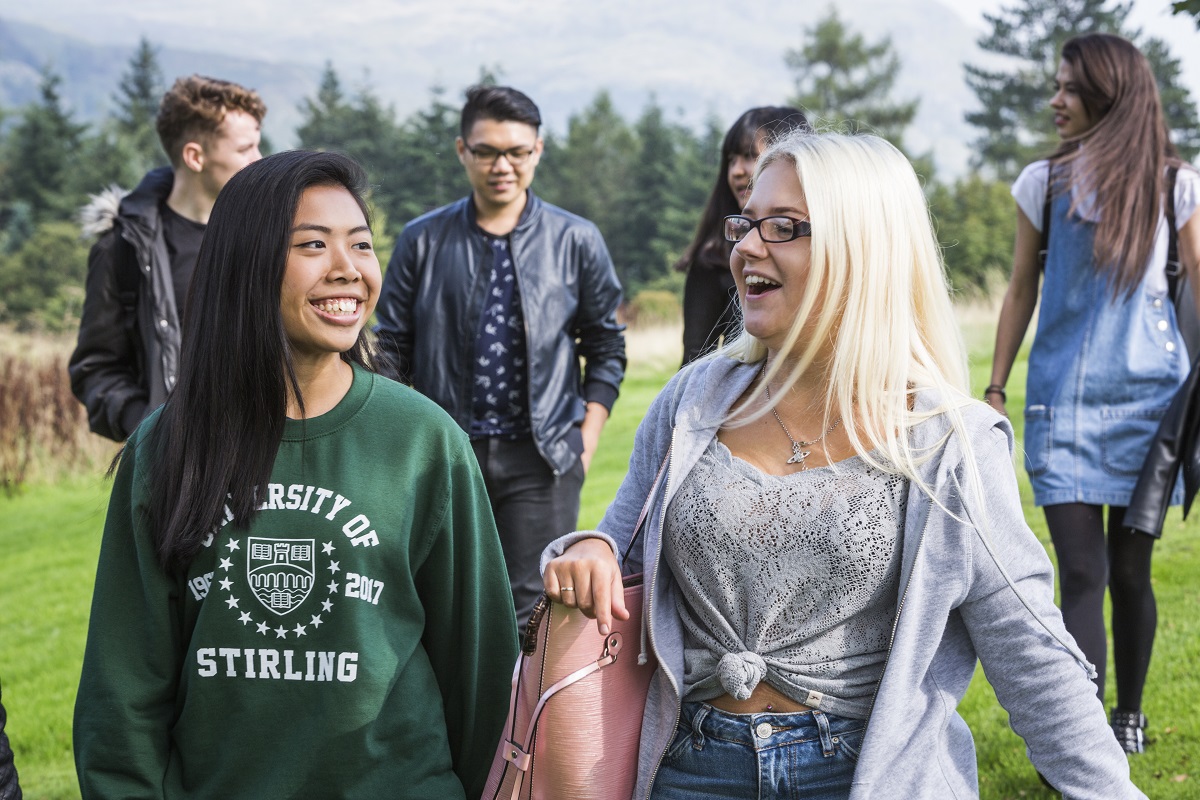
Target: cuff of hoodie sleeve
pixel 602 393
pixel 560 545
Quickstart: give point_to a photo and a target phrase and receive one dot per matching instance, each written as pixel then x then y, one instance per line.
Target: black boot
pixel 1130 729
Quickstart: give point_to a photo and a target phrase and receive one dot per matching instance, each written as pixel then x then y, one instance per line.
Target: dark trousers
pixel 532 508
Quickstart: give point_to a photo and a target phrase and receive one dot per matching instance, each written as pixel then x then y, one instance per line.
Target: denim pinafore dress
pixel 1102 371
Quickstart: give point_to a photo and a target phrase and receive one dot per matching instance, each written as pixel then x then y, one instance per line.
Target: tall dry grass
pixel 43 428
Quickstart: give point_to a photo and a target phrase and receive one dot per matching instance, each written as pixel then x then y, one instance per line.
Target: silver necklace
pixel 798 451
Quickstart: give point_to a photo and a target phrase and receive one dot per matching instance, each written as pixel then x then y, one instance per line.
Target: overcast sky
pixel 697 57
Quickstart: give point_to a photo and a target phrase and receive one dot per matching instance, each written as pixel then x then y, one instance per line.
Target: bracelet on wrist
pixel 995 388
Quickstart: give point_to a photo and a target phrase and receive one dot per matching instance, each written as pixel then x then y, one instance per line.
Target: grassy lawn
pixel 50 536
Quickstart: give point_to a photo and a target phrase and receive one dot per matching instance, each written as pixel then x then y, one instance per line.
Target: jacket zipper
pixel 512 251
pixel 662 518
pixel 475 314
pixel 899 608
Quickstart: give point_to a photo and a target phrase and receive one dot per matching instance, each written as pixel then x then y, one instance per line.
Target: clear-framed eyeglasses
pixel 488 156
pixel 775 230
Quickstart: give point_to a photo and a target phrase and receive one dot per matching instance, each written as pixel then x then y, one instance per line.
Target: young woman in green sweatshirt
pixel 300 591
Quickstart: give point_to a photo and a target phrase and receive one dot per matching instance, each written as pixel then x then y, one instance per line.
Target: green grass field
pixel 50 536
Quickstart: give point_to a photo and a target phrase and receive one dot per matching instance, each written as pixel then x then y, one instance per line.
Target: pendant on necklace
pixel 798 455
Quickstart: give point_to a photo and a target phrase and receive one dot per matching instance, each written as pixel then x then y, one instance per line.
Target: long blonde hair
pixel 880 297
pixel 877 292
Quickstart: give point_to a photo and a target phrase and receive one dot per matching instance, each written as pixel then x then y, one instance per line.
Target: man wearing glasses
pixel 487 308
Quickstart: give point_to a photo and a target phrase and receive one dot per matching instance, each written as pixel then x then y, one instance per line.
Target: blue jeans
pixel 809 755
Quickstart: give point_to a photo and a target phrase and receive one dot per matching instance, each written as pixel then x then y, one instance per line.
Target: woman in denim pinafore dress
pixel 1107 357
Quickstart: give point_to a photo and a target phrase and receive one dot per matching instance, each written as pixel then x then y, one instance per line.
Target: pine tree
pixel 645 240
pixel 428 174
pixel 324 117
pixel 589 171
pixel 1014 115
pixel 137 100
pixel 1191 7
pixel 41 152
pixel 365 129
pixel 839 76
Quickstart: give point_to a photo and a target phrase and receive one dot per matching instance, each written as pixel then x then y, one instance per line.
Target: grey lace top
pixel 790 579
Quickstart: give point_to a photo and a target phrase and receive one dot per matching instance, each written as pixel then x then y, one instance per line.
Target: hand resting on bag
pixel 588 577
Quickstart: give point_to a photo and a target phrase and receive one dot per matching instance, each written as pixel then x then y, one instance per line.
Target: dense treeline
pixel 642 181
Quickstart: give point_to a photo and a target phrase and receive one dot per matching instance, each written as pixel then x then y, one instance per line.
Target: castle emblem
pixel 281 572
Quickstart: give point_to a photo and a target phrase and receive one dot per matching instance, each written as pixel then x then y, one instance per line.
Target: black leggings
pixel 1086 564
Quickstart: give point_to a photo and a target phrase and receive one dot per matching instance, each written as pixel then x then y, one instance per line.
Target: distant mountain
pixel 696 57
pixel 91 73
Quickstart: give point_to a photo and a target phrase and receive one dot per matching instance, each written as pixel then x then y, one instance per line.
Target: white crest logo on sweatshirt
pixel 281 572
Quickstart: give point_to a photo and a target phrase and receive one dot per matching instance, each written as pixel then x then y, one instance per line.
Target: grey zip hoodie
pixel 965 595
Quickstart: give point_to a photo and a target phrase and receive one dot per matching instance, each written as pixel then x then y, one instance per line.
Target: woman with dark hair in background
pixel 1108 355
pixel 709 311
pixel 300 576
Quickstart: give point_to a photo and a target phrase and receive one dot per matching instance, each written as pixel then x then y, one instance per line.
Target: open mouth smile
pixel 339 308
pixel 757 284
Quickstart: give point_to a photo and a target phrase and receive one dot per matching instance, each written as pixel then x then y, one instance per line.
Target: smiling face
pixel 741 169
pixel 499 184
pixel 772 278
pixel 1071 118
pixel 332 278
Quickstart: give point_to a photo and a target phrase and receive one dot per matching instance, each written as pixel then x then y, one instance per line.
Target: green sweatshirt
pixel 357 640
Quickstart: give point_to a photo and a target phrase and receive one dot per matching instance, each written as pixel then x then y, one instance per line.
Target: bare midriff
pixel 764 698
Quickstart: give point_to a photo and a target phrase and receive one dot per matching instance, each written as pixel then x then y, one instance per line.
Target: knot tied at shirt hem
pixel 739 673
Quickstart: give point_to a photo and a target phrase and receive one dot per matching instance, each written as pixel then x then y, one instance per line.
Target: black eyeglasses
pixel 776 230
pixel 490 155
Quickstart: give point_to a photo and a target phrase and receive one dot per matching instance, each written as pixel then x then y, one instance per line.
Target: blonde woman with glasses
pixel 839 537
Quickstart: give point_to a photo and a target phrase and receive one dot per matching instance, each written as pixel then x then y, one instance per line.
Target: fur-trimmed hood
pixel 97 217
pixel 139 206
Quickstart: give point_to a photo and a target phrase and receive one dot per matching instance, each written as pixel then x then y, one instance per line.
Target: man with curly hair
pixel 140 267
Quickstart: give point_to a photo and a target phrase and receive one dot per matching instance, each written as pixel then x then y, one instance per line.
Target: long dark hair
pixel 708 247
pixel 1121 159
pixel 218 433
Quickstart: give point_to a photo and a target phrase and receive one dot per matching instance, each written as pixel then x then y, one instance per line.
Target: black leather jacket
pixel 127 354
pixel 1176 446
pixel 433 295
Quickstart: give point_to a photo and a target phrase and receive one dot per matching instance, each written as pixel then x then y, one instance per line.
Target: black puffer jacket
pixel 127 354
pixel 433 296
pixel 1176 446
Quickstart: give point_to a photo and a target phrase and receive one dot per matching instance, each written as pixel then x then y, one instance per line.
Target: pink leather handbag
pixel 575 713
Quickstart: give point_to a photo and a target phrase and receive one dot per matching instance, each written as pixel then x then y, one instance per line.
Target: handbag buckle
pixel 519 758
pixel 612 646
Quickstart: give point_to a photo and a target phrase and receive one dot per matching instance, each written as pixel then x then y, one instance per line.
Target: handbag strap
pixel 637 529
pixel 522 755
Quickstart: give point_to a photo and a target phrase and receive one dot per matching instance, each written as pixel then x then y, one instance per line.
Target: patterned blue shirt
pixel 501 404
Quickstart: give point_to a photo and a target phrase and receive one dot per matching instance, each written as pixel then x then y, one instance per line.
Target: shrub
pixel 41 284
pixel 41 422
pixel 653 307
